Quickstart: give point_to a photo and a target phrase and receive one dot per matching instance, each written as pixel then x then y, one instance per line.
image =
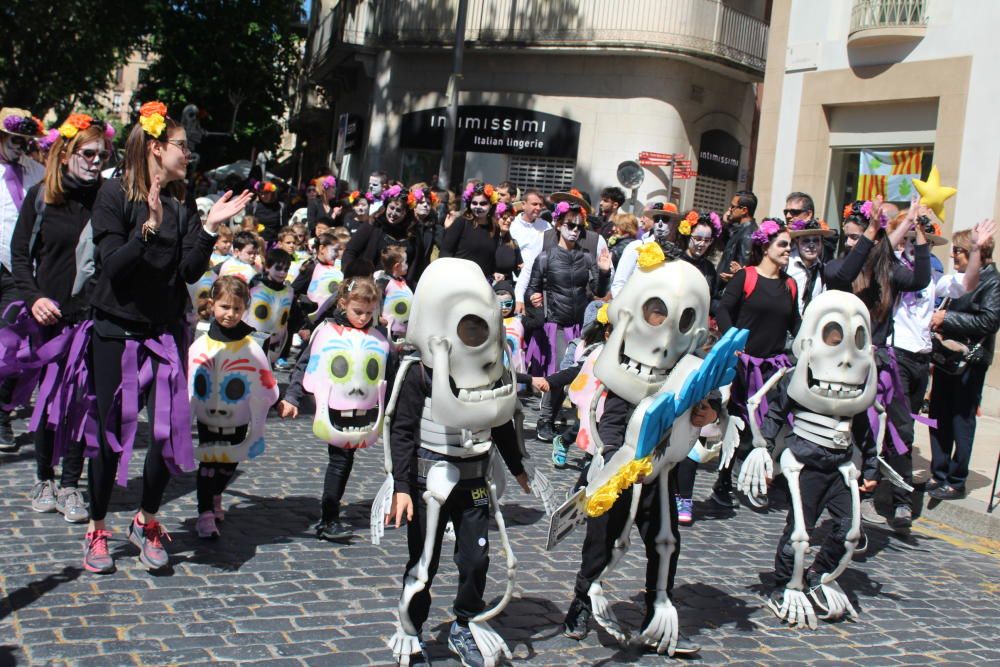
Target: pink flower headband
pixel 862 211
pixel 768 229
pixel 501 209
pixel 561 209
pixel 392 193
pixel 329 183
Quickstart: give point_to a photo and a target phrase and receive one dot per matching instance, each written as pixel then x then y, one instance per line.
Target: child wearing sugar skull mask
pixel 396 295
pixel 231 389
pixel 344 367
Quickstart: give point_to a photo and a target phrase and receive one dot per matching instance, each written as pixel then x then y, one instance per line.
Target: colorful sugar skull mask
pixel 835 372
pixel 455 324
pixel 396 310
pixel 235 267
pixel 268 313
pixel 231 388
pixel 324 283
pixel 659 316
pixel 346 374
pixel 202 289
pixel 514 332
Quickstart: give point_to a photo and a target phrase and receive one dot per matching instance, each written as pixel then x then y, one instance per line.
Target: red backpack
pixel 750 283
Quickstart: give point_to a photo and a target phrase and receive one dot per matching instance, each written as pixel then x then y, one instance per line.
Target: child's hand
pixel 522 479
pixel 868 485
pixel 402 505
pixel 304 335
pixel 540 383
pixel 286 410
pixel 703 414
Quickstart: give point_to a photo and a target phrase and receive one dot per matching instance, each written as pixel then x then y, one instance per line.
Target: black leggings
pixel 106 355
pixel 338 470
pixel 72 461
pixel 686 472
pixel 213 478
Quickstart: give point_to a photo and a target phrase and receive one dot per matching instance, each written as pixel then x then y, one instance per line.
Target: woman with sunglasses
pixel 564 280
pixel 761 298
pixel 50 233
pixel 147 248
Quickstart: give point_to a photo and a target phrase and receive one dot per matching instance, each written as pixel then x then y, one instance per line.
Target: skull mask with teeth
pixel 835 373
pixel 660 315
pixel 345 372
pixel 456 326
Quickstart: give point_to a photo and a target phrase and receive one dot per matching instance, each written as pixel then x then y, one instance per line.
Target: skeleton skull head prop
pixel 835 373
pixel 268 313
pixel 659 316
pixel 345 373
pixel 396 310
pixel 202 289
pixel 231 388
pixel 456 326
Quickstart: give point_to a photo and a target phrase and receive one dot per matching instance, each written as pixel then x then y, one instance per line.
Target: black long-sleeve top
pixel 465 240
pixel 508 259
pixel 48 269
pixel 143 281
pixel 271 216
pixel 711 277
pixel 770 313
pixel 840 274
pixel 568 279
pixel 809 453
pixel 370 240
pixel 405 431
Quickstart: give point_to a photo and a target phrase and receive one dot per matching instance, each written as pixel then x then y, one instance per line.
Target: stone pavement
pixel 269 593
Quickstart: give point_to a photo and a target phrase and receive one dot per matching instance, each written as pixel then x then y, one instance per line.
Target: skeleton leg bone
pixel 661 631
pixel 830 598
pixel 600 606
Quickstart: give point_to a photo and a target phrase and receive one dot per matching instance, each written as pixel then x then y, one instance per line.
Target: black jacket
pixel 975 316
pixel 568 280
pixel 738 247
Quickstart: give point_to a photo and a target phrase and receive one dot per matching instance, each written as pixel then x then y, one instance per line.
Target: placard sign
pixel 719 155
pixel 491 129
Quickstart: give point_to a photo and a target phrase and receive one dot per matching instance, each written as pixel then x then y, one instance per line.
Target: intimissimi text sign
pixel 488 129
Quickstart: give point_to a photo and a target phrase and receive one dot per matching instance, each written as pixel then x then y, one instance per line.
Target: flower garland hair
pixel 768 229
pixel 395 192
pixel 811 224
pixel 860 213
pixel 473 189
pixel 26 124
pixel 46 142
pixel 501 208
pixel 153 118
pixel 693 219
pixel 357 194
pixel 561 209
pixel 418 195
pixel 266 186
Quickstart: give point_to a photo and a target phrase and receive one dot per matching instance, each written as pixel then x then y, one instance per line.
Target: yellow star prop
pixel 932 193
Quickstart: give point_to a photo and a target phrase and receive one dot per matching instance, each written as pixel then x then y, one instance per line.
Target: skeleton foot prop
pixel 601 609
pixel 490 644
pixel 795 609
pixel 661 633
pixel 832 602
pixel 403 646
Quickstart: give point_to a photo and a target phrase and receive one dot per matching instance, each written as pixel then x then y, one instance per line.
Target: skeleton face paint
pixel 569 234
pixel 660 315
pixel 480 206
pixel 12 147
pixel 231 389
pixel 396 310
pixel 661 228
pixel 268 313
pixel 835 373
pixel 422 208
pixel 375 186
pixel 455 324
pixel 345 373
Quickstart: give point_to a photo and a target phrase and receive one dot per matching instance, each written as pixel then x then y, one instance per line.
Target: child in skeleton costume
pixel 396 295
pixel 231 389
pixel 833 384
pixel 243 263
pixel 271 303
pixel 448 409
pixel 654 408
pixel 345 369
pixel 223 248
pixel 319 279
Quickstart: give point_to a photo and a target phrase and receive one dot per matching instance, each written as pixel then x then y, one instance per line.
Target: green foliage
pixel 227 56
pixel 61 54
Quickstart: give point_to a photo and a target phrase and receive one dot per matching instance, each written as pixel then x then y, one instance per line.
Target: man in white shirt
pixel 658 221
pixel 528 230
pixel 19 172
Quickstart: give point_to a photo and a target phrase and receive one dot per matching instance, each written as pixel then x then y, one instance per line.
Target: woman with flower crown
pixel 428 233
pixel 392 225
pixel 146 249
pixel 473 234
pixel 52 230
pixel 763 299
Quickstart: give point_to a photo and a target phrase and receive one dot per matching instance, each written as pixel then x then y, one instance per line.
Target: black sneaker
pixel 947 492
pixel 7 443
pixel 545 432
pixel 931 484
pixel 577 620
pixel 723 496
pixel 902 518
pixel 334 532
pixel 462 643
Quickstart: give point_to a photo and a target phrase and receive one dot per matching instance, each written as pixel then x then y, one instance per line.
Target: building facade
pixel 553 94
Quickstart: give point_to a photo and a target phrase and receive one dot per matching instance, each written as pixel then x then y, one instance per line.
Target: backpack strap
pixel 749 281
pixel 793 287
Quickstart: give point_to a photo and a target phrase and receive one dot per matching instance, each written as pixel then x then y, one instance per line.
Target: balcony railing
pixel 887 20
pixel 703 28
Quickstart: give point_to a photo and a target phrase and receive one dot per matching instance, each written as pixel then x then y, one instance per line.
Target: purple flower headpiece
pixel 392 193
pixel 716 223
pixel 561 209
pixel 501 209
pixel 45 143
pixel 27 125
pixel 329 183
pixel 768 229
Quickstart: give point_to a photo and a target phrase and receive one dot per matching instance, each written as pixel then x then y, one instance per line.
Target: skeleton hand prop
pixel 831 600
pixel 755 473
pixel 606 618
pixel 661 633
pixel 403 646
pixel 795 609
pixel 730 440
pixel 490 644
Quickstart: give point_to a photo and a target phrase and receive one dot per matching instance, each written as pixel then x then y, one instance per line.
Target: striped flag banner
pixel 889 173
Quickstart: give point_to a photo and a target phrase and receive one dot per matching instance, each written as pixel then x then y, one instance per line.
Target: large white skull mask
pixel 639 353
pixel 835 371
pixel 455 324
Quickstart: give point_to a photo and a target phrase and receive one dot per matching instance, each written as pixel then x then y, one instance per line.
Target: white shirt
pixel 31 173
pixel 912 319
pixel 798 272
pixel 627 263
pixel 528 236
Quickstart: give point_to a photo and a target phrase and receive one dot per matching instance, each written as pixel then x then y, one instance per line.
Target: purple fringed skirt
pixel 543 350
pixel 751 374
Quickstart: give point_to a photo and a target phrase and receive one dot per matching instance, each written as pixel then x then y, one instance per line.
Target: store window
pixel 713 194
pixel 847 170
pixel 548 174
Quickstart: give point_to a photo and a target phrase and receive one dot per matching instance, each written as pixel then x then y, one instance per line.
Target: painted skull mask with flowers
pixel 268 314
pixel 396 310
pixel 346 374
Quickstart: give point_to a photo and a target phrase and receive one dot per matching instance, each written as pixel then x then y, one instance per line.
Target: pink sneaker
pixel 220 514
pixel 206 526
pixel 96 557
pixel 684 511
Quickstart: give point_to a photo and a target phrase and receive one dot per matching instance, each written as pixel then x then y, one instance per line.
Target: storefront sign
pixel 490 129
pixel 719 155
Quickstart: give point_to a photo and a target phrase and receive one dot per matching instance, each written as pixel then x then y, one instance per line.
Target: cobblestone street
pixel 267 592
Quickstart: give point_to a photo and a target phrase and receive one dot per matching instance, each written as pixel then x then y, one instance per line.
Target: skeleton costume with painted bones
pixel 654 386
pixel 833 384
pixel 449 407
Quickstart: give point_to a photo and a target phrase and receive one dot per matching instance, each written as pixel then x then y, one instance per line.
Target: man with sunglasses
pixel 17 128
pixel 805 263
pixel 740 225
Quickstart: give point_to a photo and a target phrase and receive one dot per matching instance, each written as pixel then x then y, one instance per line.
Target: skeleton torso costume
pixel 448 408
pixel 324 282
pixel 270 305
